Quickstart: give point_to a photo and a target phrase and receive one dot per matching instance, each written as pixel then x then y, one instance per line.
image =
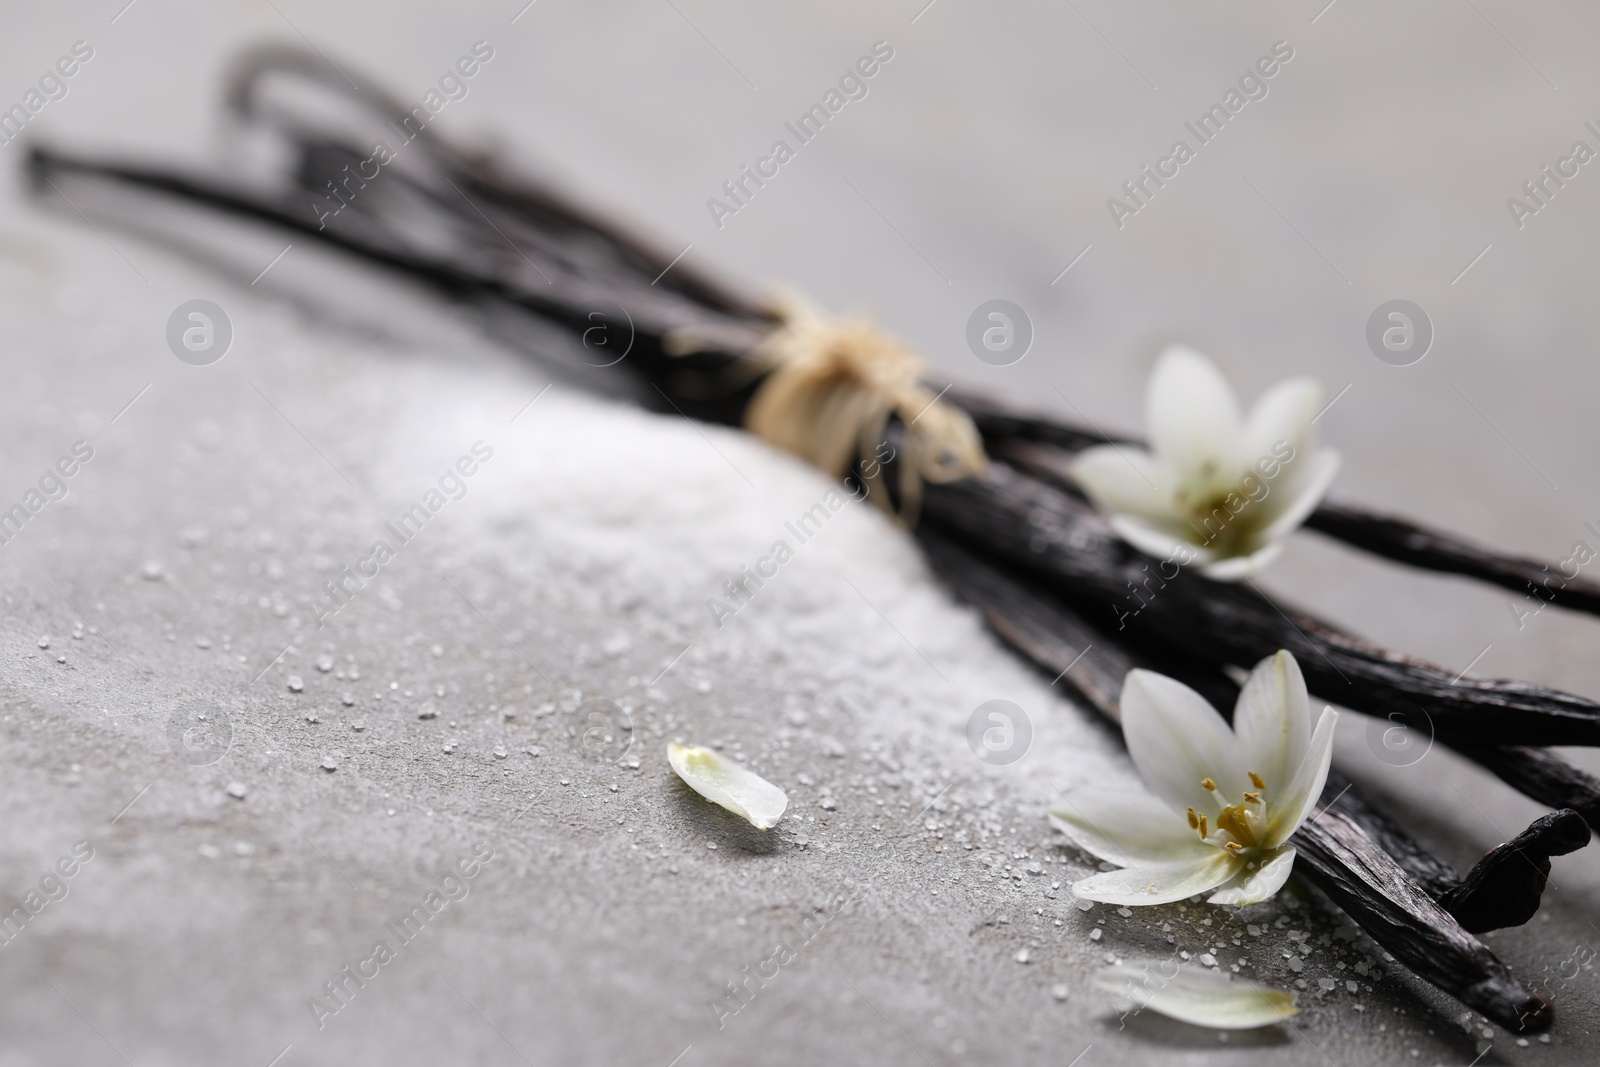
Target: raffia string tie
pixel 833 386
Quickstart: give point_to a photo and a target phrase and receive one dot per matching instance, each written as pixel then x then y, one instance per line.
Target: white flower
pixel 734 786
pixel 1216 489
pixel 1225 800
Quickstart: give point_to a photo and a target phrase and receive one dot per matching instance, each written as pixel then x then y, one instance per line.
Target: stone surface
pixel 240 862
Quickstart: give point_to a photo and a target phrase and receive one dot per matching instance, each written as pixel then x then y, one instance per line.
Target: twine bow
pixel 833 386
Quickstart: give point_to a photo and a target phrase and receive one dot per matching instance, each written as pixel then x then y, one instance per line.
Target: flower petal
pixel 1192 420
pixel 1127 828
pixel 1301 495
pixel 1237 568
pixel 1124 479
pixel 1176 740
pixel 1252 887
pixel 1163 540
pixel 1282 414
pixel 1273 721
pixel 1160 883
pixel 1201 998
pixel 722 781
pixel 1288 809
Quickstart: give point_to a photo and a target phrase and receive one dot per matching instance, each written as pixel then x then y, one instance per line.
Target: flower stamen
pixel 1194 821
pixel 1235 819
pixel 1208 785
pixel 1256 780
pixel 1252 798
pixel 1234 847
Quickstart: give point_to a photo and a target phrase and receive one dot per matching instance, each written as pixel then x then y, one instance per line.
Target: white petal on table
pixel 1273 721
pixel 735 787
pixel 1176 740
pixel 1200 998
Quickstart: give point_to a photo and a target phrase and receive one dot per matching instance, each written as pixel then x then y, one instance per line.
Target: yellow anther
pixel 1234 847
pixel 1256 780
pixel 1203 828
pixel 1252 798
pixel 1194 822
pixel 1208 785
pixel 1235 819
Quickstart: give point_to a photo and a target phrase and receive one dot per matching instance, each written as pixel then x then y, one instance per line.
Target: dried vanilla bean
pixel 580 285
pixel 1508 883
pixel 1061 540
pixel 1540 776
pixel 1369 885
pixel 1398 539
pixel 1348 671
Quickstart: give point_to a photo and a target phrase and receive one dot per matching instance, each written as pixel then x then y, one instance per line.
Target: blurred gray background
pixel 184 560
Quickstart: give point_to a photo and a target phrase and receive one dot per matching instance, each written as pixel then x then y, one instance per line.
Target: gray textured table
pixel 426 725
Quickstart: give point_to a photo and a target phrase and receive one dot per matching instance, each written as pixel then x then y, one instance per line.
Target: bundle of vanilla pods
pixel 1019 542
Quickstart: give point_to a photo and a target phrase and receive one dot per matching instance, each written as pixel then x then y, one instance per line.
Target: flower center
pixel 1225 529
pixel 1240 823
